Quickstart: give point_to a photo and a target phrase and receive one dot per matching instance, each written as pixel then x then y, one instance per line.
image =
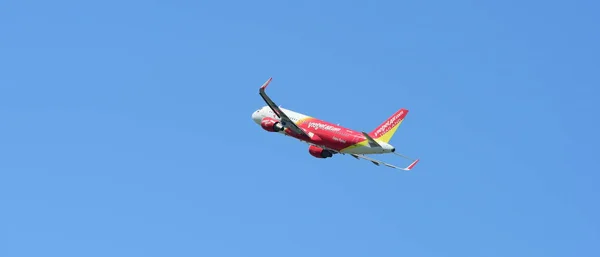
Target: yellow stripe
pixel 388 135
pixel 357 145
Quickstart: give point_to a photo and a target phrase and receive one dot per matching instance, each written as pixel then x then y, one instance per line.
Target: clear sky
pixel 126 128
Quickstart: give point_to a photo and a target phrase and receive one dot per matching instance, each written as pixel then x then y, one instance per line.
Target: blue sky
pixel 127 132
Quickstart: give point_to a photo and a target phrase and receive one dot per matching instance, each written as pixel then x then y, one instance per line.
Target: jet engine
pixel 319 152
pixel 271 125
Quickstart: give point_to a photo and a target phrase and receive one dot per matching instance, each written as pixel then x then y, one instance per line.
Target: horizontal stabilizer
pixel 372 141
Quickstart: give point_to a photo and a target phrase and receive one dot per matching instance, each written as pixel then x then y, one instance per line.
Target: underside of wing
pixel 378 162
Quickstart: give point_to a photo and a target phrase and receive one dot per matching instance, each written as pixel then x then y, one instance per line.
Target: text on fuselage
pixel 317 126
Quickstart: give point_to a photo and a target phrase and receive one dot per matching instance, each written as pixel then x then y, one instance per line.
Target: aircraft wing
pixel 285 120
pixel 377 162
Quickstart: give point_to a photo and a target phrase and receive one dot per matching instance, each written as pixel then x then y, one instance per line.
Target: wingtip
pixel 266 83
pixel 412 164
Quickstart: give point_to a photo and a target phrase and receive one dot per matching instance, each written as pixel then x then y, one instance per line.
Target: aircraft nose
pixel 256 117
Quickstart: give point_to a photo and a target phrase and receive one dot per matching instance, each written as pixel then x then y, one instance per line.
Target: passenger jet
pixel 326 139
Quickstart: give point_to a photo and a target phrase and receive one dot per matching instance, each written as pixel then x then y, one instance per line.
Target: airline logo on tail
pixel 389 124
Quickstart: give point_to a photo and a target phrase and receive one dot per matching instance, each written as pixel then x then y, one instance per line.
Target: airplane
pixel 325 138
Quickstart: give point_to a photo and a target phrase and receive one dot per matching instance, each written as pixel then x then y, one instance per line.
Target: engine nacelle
pixel 271 125
pixel 319 152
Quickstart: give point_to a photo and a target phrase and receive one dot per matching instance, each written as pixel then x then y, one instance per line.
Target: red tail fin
pixel 386 130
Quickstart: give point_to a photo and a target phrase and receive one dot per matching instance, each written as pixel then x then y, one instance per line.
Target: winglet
pixel 266 84
pixel 412 165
